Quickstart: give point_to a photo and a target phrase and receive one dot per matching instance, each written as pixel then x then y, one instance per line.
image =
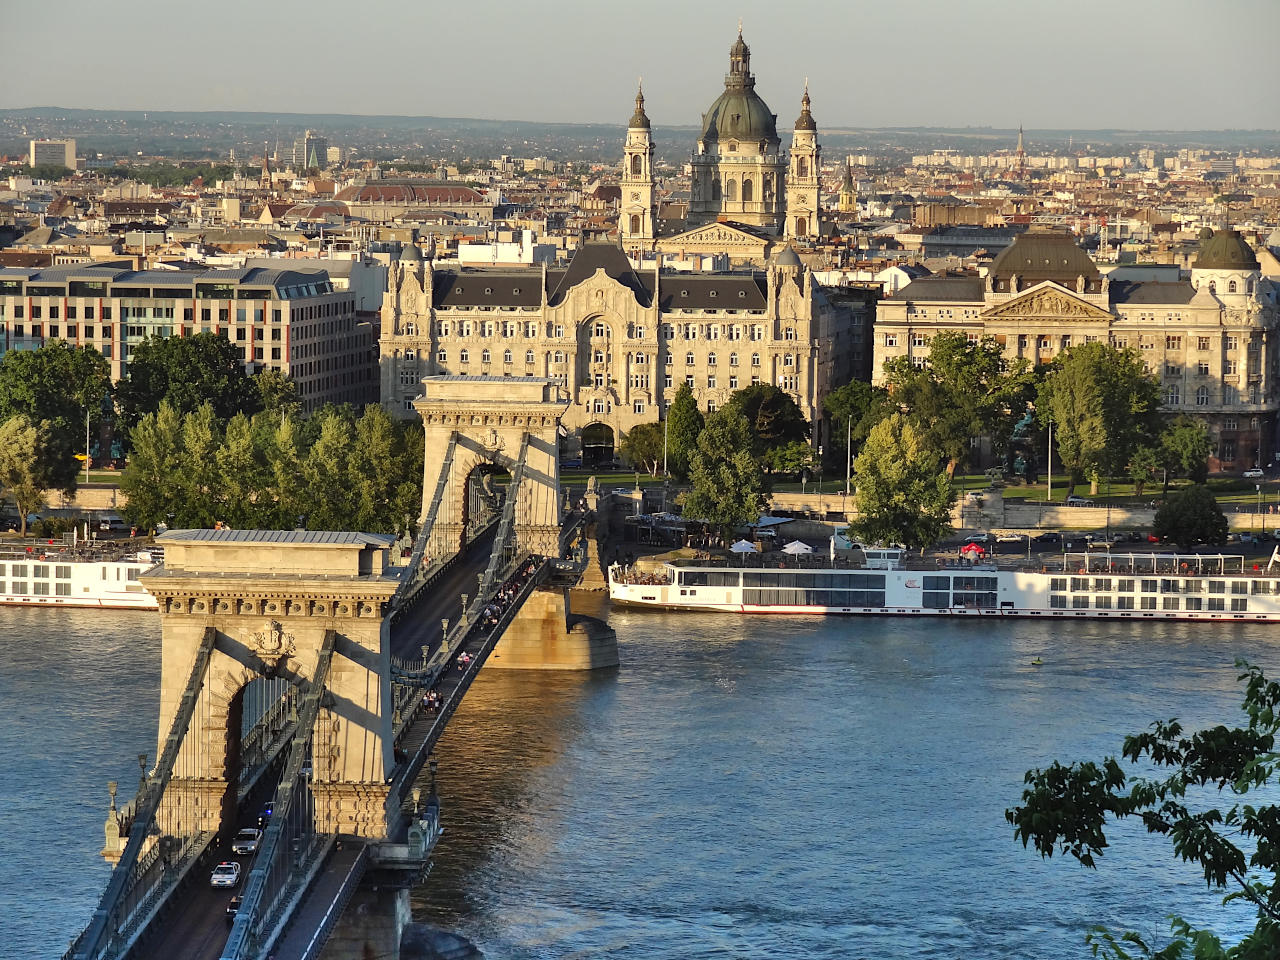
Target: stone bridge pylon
pixel 471 421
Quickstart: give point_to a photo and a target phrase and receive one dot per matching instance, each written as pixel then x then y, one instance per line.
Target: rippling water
pixel 744 787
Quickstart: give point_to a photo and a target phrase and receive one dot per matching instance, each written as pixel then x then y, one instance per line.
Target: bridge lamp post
pixel 142 768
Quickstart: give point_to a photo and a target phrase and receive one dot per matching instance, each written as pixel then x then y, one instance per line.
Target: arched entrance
pixel 597 445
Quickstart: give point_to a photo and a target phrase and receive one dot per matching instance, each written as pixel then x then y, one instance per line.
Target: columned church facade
pixel 746 193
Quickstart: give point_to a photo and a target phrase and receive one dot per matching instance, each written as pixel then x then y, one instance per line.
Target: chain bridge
pixel 306 678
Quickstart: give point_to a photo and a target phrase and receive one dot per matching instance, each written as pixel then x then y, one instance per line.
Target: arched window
pixel 748 191
pixel 733 359
pixel 1213 286
pixel 464 356
pixel 802 167
pixel 559 357
pixel 688 359
pixel 528 356
pixel 636 165
pixel 802 227
pixel 635 223
pixel 711 359
pixel 506 356
pixel 1231 287
pixel 731 189
pixel 484 356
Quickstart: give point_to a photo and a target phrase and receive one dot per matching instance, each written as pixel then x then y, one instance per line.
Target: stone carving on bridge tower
pixel 470 421
pixel 307 586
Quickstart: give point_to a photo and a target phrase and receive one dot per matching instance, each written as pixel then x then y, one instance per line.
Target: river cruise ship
pixel 1139 586
pixel 77 578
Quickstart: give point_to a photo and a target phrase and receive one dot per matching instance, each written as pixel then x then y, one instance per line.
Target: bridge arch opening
pixel 597 445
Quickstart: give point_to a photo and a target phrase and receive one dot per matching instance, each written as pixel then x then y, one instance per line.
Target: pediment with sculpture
pixel 1047 302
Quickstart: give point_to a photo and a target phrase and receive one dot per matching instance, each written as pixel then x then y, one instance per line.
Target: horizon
pixel 939 67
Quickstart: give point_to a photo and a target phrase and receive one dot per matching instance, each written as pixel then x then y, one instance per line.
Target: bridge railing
pixel 135 882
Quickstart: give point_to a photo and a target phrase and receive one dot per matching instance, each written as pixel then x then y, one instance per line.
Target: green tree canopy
pixel 728 484
pixel 276 393
pixel 57 383
pixel 1184 450
pixel 855 408
pixel 642 446
pixel 1067 809
pixel 904 494
pixel 1103 405
pixel 1191 516
pixel 187 372
pixel 31 462
pixel 772 417
pixel 151 477
pixel 684 424
pixel 967 389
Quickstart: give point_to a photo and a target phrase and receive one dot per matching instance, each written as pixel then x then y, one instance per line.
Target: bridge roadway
pixel 196 925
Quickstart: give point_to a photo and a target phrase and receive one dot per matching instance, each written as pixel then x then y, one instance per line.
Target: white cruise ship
pixel 53 579
pixel 1140 586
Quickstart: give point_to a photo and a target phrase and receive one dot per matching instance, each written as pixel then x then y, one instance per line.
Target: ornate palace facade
pixel 1212 340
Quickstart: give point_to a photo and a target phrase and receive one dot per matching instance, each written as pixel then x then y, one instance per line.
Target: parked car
pixel 1048 539
pixel 1253 473
pixel 1074 501
pixel 246 841
pixel 225 874
pixel 1011 538
pixel 979 538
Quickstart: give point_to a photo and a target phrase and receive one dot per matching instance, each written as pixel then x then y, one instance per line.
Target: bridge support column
pixel 546 635
pixel 371 926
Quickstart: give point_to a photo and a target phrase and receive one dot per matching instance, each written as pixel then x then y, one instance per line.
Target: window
pixel 1231 343
pixel 688 359
pixel 733 359
pixel 598 379
pixel 600 329
pixel 1230 367
pixel 464 356
pixel 733 383
pixel 689 380
pixel 1202 396
pixel 442 355
pixel 528 356
pixel 1173 395
pixel 757 333
pixel 506 356
pixel 666 381
pixel 755 359
pixel 638 407
pixel 711 359
pixel 919 340
pixel 1172 342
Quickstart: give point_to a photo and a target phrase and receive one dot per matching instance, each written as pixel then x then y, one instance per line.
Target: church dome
pixel 739 113
pixel 1226 250
pixel 787 257
pixel 639 119
pixel 410 253
pixel 1043 255
pixel 805 120
pixel 1206 233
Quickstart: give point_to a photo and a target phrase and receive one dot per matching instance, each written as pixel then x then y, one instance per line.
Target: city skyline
pixel 867 65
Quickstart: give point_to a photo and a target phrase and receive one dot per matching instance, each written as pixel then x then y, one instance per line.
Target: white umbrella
pixel 797 547
pixel 743 546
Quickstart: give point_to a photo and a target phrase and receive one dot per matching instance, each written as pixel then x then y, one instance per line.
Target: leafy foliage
pixel 187 372
pixel 904 495
pixel 1103 405
pixel 855 408
pixel 684 424
pixel 966 390
pixel 1184 450
pixel 337 471
pixel 728 484
pixel 1191 516
pixel 31 462
pixel 772 416
pixel 642 446
pixel 1066 810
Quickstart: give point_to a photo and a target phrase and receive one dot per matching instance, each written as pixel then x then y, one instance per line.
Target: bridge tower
pixel 474 420
pixel 271 598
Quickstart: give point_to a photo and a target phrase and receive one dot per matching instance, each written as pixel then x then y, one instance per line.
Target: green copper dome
pixel 739 113
pixel 1226 250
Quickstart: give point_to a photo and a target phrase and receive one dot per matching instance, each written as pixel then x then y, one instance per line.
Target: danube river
pixel 740 787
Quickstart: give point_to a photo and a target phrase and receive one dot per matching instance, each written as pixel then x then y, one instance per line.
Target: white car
pixel 225 874
pixel 1253 473
pixel 1011 538
pixel 246 841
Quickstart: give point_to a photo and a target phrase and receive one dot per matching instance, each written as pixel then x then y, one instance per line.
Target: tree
pixel 187 371
pixel 1143 465
pixel 326 472
pixel 1184 451
pixel 276 393
pixel 1103 405
pixel 968 389
pixel 772 417
pixel 149 477
pixel 684 424
pixel 1191 516
pixel 241 474
pixel 642 446
pixel 1065 810
pixel 794 457
pixel 284 497
pixel 728 484
pixel 854 408
pixel 30 459
pixel 198 503
pixel 904 494
pixel 57 383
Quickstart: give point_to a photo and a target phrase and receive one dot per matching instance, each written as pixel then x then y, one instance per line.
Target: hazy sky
pixel 1139 64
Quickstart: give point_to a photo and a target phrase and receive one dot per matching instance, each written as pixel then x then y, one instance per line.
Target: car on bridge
pixel 225 874
pixel 233 907
pixel 246 841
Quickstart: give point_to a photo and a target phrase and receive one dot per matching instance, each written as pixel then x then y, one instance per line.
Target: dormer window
pixel 713 294
pixel 742 294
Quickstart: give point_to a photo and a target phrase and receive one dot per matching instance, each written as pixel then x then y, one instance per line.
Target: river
pixel 740 787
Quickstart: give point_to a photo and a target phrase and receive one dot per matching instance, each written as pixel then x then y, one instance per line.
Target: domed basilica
pixel 743 181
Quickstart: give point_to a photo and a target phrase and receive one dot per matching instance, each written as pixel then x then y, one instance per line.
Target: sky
pixel 1046 64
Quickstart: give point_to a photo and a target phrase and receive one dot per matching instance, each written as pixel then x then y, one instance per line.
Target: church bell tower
pixel 637 212
pixel 802 176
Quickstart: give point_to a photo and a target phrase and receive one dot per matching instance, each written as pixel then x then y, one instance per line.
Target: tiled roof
pixel 409 193
pixel 488 288
pixel 330 537
pixel 712 292
pixel 1152 292
pixel 968 289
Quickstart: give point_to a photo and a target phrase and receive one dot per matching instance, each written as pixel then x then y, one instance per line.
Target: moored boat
pixel 84 577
